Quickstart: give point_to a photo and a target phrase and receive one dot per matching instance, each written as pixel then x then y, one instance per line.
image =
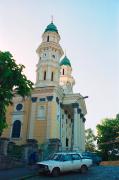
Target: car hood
pixel 49 162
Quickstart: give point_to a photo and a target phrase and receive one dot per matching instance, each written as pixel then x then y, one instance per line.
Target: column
pixel 83 134
pixel 80 137
pixel 75 143
pixel 32 117
pixel 48 120
pixel 49 98
pixel 60 118
pixel 63 129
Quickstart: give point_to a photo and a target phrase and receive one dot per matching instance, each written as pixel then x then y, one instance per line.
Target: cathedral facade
pixel 53 111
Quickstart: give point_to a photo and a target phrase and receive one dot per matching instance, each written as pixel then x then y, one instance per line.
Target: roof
pixel 70 152
pixel 65 61
pixel 51 27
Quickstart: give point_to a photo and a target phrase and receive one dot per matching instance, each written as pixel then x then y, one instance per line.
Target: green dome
pixel 65 61
pixel 51 27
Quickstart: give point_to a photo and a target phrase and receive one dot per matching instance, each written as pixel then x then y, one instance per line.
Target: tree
pixel 89 140
pixel 107 133
pixel 12 81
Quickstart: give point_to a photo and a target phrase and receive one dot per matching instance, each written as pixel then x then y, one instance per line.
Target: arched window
pixel 16 129
pixel 44 75
pixel 52 76
pixel 67 140
pixel 48 39
pixel 63 72
pixel 53 56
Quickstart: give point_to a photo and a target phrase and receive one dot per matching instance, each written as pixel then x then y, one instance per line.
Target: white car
pixel 63 162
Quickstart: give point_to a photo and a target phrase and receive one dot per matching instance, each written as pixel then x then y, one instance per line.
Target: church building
pixel 53 111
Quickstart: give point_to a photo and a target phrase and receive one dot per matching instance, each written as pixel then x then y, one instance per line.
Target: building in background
pixel 53 111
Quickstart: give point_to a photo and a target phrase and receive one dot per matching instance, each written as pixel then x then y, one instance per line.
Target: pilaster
pixel 75 143
pixel 32 117
pixel 49 98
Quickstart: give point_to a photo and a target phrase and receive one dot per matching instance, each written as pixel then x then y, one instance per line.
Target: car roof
pixel 74 152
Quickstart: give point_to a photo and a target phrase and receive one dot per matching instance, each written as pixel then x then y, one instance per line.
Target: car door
pixel 76 161
pixel 67 162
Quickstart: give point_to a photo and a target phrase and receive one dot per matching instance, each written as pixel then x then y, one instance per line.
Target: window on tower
pixel 63 72
pixel 48 39
pixel 53 56
pixel 52 76
pixel 44 75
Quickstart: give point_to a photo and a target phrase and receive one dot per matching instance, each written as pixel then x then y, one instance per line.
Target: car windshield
pixel 56 157
pixel 86 154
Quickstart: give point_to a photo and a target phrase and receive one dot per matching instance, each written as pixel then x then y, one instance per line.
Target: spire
pixel 52 18
pixel 65 52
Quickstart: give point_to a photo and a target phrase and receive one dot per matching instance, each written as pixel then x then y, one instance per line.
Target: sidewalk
pixel 17 173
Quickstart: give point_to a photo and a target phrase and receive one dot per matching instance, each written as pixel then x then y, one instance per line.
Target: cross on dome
pixel 52 18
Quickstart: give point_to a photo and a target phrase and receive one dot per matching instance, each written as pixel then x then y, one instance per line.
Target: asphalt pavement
pixel 94 173
pixel 18 173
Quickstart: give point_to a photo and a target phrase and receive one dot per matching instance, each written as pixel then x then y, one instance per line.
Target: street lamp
pixel 82 97
pixel 85 97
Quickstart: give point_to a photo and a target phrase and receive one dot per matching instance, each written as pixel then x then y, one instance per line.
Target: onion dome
pixel 51 27
pixel 65 61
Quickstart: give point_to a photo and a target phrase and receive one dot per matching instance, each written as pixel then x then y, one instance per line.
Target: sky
pixel 89 31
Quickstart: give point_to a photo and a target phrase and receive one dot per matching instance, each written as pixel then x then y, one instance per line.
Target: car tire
pixel 84 169
pixel 56 172
pixel 97 163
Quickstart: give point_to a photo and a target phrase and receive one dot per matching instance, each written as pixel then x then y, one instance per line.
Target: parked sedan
pixel 95 158
pixel 63 162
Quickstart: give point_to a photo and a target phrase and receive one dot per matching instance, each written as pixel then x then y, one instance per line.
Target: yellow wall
pixel 40 130
pixel 24 126
pixel 7 131
pixel 54 128
pixel 40 126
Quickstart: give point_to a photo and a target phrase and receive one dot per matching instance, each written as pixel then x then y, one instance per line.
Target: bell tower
pixel 49 53
pixel 66 80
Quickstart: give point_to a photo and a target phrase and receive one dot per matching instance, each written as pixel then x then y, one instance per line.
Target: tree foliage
pixel 12 80
pixel 107 133
pixel 89 140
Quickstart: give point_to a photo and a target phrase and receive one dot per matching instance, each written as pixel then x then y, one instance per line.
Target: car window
pixel 76 157
pixel 85 154
pixel 56 157
pixel 67 157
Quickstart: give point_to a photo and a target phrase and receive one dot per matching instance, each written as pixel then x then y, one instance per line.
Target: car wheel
pixel 98 163
pixel 84 169
pixel 56 172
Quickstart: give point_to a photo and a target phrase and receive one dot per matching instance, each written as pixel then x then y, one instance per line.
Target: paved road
pixel 16 173
pixel 95 173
